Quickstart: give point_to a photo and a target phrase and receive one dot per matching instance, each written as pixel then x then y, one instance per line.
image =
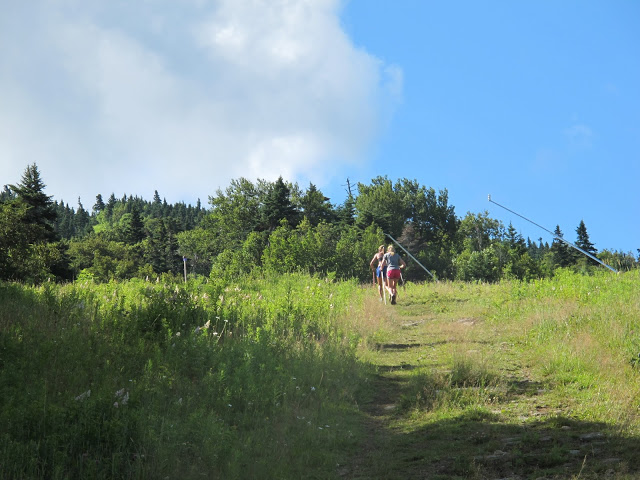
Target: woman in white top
pixel 376 262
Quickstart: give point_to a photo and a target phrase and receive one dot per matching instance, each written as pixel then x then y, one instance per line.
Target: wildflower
pixel 177 334
pixel 313 389
pixel 123 396
pixel 84 395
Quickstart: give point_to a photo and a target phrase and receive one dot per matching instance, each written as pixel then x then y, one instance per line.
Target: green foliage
pixel 316 207
pixel 200 247
pixel 40 210
pixel 20 257
pixel 381 203
pixel 483 265
pixel 104 259
pixel 235 212
pixel 278 207
pixel 478 231
pixel 253 228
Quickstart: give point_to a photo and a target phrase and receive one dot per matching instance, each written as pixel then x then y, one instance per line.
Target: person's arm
pixel 402 263
pixel 371 263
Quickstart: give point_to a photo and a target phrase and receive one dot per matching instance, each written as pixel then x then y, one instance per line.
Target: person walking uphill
pixel 394 263
pixel 380 271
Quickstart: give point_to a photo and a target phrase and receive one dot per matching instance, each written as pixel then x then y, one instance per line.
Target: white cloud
pixel 579 135
pixel 182 97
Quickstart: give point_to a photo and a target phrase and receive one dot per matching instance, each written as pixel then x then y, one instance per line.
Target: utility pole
pixel 184 260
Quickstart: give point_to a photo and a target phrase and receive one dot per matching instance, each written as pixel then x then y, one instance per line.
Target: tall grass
pixel 146 380
pixel 579 335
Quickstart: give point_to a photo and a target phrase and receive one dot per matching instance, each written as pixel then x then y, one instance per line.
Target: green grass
pixel 534 380
pixel 302 377
pixel 123 380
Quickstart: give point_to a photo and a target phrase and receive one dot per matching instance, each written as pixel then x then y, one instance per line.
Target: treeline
pixel 252 227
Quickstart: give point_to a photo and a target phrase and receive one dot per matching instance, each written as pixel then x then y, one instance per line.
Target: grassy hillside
pixel 302 377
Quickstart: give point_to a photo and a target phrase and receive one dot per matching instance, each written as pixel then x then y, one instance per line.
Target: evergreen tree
pixel 173 260
pixel 583 239
pixel 155 245
pixel 584 243
pixel 316 207
pixel 156 205
pixel 132 226
pixel 6 194
pixel 98 206
pixel 562 255
pixel 108 209
pixel 278 206
pixel 82 221
pixel 346 212
pixel 40 209
pixel 514 240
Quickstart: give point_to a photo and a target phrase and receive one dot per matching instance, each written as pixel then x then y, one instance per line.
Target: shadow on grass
pixel 397 346
pixel 478 443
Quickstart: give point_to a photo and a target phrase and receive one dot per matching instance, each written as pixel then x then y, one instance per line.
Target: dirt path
pixel 508 427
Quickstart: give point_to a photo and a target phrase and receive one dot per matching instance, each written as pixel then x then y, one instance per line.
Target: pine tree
pixel 82 221
pixel 108 208
pixel 315 206
pixel 562 256
pixel 277 206
pixel 515 240
pixel 156 205
pixel 347 211
pixel 6 194
pixel 584 243
pixel 41 210
pixel 98 206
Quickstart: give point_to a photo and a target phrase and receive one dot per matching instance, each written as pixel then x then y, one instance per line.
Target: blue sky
pixel 535 103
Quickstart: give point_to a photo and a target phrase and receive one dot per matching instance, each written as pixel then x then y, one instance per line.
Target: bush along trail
pixel 514 380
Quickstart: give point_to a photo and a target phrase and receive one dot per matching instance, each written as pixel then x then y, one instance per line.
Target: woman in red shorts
pixel 394 263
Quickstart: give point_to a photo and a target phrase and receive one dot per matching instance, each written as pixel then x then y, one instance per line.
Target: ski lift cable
pixel 557 237
pixel 412 257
